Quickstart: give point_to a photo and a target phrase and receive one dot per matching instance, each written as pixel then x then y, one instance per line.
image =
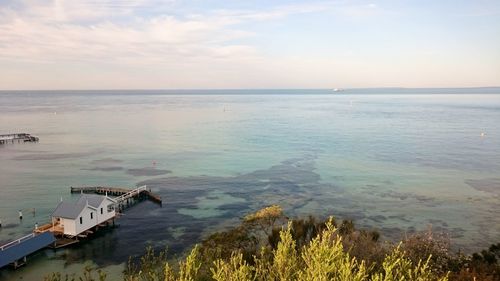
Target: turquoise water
pixel 393 159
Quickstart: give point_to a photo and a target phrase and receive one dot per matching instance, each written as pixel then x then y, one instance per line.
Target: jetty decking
pixel 49 227
pixel 122 193
pixel 19 137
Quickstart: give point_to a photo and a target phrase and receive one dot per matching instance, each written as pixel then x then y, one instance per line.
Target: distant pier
pixel 19 137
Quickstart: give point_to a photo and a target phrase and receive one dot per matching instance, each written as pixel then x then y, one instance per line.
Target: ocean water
pixel 398 160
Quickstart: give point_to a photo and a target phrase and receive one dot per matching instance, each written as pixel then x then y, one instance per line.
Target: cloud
pixel 89 41
pixel 76 30
pixel 362 11
pixel 63 31
pixel 169 44
pixel 275 13
pixel 79 10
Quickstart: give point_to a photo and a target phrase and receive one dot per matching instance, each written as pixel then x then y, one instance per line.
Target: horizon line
pixel 248 89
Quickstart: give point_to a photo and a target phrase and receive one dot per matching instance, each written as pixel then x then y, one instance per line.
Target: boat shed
pixel 74 218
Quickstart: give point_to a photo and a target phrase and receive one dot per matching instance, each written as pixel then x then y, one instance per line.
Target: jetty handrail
pixel 131 193
pixel 17 241
pixel 111 189
pixel 14 135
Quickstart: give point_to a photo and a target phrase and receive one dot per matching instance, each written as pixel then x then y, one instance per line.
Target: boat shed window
pixel 101 211
pixel 81 220
pixel 91 215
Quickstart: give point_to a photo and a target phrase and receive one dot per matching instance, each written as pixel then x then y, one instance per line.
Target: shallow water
pixel 398 162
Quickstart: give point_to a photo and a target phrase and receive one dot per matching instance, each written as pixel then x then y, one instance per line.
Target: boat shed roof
pixel 70 210
pixel 92 199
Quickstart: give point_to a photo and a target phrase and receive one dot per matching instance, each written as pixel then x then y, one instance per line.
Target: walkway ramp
pixel 22 247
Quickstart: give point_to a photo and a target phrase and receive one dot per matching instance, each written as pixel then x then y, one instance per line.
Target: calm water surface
pixel 398 162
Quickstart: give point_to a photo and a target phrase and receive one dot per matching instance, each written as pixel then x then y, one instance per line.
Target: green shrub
pixel 307 249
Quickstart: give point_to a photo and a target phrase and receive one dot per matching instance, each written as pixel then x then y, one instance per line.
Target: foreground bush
pixel 268 246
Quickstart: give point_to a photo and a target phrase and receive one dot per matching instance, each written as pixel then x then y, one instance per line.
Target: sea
pixel 392 159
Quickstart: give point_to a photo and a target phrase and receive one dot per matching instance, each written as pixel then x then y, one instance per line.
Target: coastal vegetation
pixel 267 245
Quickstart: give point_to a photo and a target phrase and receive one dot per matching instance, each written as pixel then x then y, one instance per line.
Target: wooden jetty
pixel 61 232
pixel 122 193
pixel 19 137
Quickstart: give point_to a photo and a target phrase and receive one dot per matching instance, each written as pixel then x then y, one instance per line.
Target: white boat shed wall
pixel 88 221
pixel 88 217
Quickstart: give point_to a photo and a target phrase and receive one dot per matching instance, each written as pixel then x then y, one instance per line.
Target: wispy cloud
pixel 79 10
pixel 167 43
pixel 74 30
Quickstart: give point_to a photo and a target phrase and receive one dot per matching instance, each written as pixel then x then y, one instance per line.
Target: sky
pixel 212 44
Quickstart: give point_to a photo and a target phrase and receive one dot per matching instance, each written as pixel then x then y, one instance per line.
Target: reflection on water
pixel 394 162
